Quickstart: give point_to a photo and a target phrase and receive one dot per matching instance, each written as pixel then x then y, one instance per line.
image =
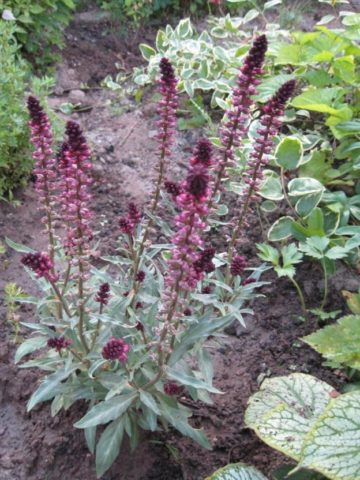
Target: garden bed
pixel 35 446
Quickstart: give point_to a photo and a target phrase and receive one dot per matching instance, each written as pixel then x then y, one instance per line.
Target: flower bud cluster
pixel 129 223
pixel 116 349
pixel 41 264
pixel 238 265
pixel 103 294
pixel 172 388
pixel 58 343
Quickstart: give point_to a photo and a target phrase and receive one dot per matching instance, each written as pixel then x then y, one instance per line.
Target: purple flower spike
pixel 44 170
pixel 103 294
pixel 237 116
pixel 116 349
pixel 192 202
pixel 74 166
pixel 270 125
pixel 167 107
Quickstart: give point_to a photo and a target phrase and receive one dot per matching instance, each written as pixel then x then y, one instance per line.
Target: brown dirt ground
pixel 35 446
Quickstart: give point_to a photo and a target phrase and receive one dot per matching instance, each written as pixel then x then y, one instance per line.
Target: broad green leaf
pixel 288 153
pixel 352 300
pixel 270 85
pixel 268 253
pixel 48 388
pixel 320 100
pixel 332 447
pixel 108 446
pixel 281 229
pixel 338 343
pixel 29 346
pixel 237 471
pixel 284 410
pixel 315 247
pixel 106 411
pixel 282 472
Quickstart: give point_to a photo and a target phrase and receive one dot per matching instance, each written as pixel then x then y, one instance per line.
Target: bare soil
pixel 35 446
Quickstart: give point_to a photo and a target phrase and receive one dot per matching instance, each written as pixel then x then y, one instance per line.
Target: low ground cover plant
pixel 15 154
pixel 39 25
pixel 131 343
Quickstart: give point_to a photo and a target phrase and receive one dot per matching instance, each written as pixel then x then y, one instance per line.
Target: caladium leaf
pixel 285 409
pixel 332 447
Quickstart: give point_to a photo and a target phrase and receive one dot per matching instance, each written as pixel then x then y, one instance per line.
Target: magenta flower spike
pixel 237 116
pixel 74 166
pixel 270 124
pixel 44 170
pixel 166 124
pixel 187 266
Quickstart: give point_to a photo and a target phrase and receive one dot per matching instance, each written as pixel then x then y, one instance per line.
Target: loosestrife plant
pixel 123 342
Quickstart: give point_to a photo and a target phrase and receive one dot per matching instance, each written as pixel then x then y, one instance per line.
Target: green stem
pixel 60 298
pixel 300 294
pixel 326 285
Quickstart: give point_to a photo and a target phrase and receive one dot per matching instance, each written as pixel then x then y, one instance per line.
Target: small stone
pixel 77 96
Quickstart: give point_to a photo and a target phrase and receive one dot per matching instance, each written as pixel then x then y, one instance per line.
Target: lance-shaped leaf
pixel 106 411
pixel 49 387
pixel 29 346
pixel 237 471
pixel 332 447
pixel 285 409
pixel 108 446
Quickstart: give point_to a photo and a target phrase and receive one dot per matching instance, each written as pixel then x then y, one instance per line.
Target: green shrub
pixel 40 24
pixel 15 156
